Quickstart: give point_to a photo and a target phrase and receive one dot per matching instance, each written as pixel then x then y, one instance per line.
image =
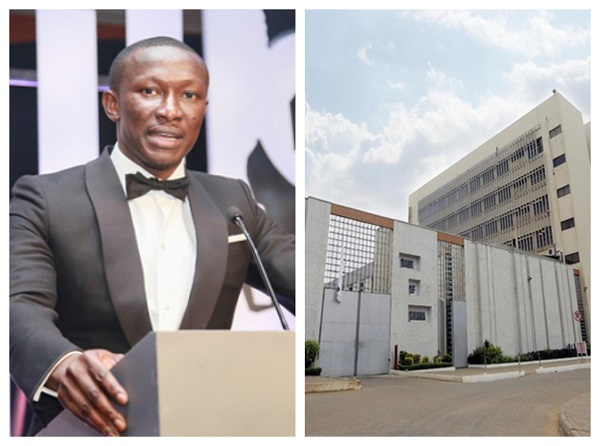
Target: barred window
pixel 525 242
pixel 358 256
pixel 538 175
pixel 544 237
pixel 502 167
pixel 417 315
pixel 541 206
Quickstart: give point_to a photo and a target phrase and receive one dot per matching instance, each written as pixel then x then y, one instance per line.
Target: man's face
pixel 159 107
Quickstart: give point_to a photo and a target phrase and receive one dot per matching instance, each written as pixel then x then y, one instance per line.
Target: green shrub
pixel 417 358
pixel 425 360
pixel 401 355
pixel 422 366
pixel 311 352
pixel 312 371
pixel 486 354
pixel 408 360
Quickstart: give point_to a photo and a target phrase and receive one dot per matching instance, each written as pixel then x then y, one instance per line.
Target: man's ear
pixel 111 105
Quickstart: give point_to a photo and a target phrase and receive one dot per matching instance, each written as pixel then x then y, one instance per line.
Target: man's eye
pixel 148 91
pixel 189 95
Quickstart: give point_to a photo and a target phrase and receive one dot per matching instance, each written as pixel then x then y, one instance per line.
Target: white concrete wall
pixel 415 336
pixel 317 230
pixel 517 301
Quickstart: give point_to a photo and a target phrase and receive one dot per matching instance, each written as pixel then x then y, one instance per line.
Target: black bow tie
pixel 138 185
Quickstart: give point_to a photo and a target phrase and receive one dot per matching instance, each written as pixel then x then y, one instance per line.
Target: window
pixel 520 183
pixel 572 258
pixel 522 214
pixel 491 227
pixel 525 243
pixel 488 176
pixel 506 221
pixel 406 263
pixel 538 175
pixel 544 237
pixel 416 313
pixel 560 159
pixel 562 191
pixel 413 287
pixel 540 206
pixel 489 201
pixel 502 167
pixel 567 224
pixel 477 233
pixel 463 214
pixel 534 148
pixel 555 131
pixel 518 154
pixel 504 194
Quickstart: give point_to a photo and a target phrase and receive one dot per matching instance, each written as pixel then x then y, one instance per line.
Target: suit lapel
pixel 211 257
pixel 122 263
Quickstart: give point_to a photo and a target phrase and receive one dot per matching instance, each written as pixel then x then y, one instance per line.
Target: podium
pixel 203 383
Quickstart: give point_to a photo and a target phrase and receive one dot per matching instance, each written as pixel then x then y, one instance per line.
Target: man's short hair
pixel 117 66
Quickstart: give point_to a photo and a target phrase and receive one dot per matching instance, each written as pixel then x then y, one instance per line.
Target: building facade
pixel 375 286
pixel 527 188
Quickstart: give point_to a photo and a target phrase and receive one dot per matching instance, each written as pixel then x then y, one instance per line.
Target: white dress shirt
pixel 166 241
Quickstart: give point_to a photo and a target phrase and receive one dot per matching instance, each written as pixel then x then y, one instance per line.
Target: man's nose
pixel 169 108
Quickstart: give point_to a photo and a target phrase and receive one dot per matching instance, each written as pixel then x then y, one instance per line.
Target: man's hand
pixel 83 382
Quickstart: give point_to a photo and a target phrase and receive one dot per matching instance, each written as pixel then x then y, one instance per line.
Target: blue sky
pixel 394 97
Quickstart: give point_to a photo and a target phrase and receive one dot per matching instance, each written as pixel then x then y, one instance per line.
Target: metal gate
pixel 355 333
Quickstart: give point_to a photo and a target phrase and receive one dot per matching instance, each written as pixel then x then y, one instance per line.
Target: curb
pixel 571 417
pixel 485 377
pixel 492 377
pixel 563 368
pixel 332 386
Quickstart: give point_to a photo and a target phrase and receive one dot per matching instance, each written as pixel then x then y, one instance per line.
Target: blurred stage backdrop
pixel 59 62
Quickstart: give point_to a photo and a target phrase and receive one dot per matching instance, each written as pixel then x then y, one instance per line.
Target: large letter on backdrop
pixel 250 132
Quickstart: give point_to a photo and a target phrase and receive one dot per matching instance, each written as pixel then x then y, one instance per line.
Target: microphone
pixel 236 216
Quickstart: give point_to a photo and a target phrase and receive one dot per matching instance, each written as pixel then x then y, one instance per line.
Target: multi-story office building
pixel 527 188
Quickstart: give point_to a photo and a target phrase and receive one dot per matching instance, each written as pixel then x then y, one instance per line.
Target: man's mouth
pixel 164 137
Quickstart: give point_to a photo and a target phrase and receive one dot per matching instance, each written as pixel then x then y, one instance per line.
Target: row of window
pixel 502 167
pixel 487 204
pixel 540 239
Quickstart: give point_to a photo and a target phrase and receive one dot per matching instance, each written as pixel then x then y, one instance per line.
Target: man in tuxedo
pixel 131 242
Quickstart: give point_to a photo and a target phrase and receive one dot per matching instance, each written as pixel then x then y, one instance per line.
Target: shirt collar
pixel 124 166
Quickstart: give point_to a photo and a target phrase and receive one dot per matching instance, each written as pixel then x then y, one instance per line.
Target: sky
pixel 395 97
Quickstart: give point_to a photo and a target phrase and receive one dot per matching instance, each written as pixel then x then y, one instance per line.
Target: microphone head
pixel 233 213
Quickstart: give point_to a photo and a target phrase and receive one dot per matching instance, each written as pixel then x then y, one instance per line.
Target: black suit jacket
pixel 76 275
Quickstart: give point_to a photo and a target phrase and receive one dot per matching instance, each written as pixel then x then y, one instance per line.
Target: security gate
pixel 355 333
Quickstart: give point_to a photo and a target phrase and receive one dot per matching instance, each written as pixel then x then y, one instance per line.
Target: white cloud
pixel 362 54
pixel 348 164
pixel 538 36
pixel 441 80
pixel 571 78
pixel 397 86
